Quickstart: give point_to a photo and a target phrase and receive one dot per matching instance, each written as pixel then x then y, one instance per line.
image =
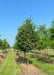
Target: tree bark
pixel 45 52
pixel 24 57
pixel 27 59
pixel 14 49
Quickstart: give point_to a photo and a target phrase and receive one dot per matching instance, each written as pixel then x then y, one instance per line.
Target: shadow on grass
pixel 43 54
pixel 51 56
pixel 41 61
pixel 20 59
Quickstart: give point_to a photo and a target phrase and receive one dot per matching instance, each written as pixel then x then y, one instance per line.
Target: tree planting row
pixel 42 53
pixel 3 55
pixel 46 59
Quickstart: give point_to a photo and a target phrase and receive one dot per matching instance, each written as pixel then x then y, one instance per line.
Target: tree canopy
pixel 31 36
pixel 4 44
pixel 27 37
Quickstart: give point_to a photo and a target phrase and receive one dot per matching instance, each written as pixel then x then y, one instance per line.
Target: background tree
pixel 52 35
pixel 4 45
pixel 44 41
pixel 0 44
pixel 42 33
pixel 15 46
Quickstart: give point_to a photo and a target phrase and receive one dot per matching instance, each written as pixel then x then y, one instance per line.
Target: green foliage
pixel 30 36
pixel 4 44
pixel 52 30
pixel 15 45
pixel 44 41
pixel 0 44
pixel 27 37
pixel 52 35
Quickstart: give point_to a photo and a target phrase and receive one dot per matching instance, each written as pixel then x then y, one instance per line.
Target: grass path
pixel 9 66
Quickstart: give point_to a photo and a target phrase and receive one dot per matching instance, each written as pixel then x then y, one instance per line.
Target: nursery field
pixel 26 37
pixel 46 67
pixel 49 53
pixel 14 64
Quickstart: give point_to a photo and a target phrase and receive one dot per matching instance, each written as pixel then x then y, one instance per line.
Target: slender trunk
pixel 3 51
pixel 27 59
pixel 39 51
pixel 14 49
pixel 24 57
pixel 17 51
pixel 45 52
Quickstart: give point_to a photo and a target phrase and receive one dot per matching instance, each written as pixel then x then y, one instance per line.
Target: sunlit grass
pixel 9 67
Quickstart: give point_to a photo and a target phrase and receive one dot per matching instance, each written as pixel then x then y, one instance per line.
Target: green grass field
pixel 9 67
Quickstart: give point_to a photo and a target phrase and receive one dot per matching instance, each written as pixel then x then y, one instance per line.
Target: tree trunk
pixel 40 51
pixel 24 57
pixel 45 52
pixel 14 49
pixel 27 59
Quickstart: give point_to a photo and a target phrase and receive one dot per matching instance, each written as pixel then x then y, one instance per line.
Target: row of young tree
pixel 4 44
pixel 30 36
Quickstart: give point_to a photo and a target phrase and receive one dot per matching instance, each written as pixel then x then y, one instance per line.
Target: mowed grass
pixel 9 66
pixel 46 67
